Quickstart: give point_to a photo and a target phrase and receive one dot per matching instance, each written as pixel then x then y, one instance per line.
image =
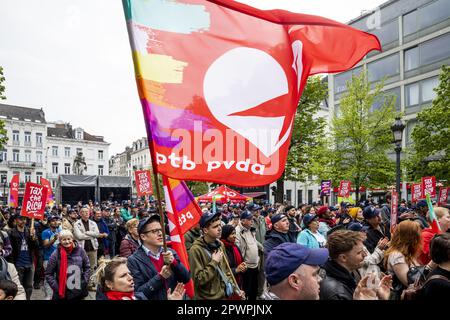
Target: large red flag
pixel 46 183
pixel 220 81
pixel 183 213
pixel 14 192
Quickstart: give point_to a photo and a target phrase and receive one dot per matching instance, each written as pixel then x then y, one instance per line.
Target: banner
pixel 325 188
pixel 429 186
pixel 344 189
pixel 416 192
pixel 50 201
pixel 182 213
pixel 14 192
pixel 435 227
pixel 143 183
pixel 220 87
pixel 443 196
pixel 34 200
pixel 394 209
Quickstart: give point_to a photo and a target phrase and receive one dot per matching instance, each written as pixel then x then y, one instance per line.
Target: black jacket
pixel 373 236
pixel 338 284
pixel 294 229
pixel 273 239
pixel 16 242
pixel 147 279
pixel 436 289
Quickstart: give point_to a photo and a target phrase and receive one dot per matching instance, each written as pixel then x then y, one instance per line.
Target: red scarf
pixel 236 253
pixel 117 295
pixel 329 222
pixel 63 270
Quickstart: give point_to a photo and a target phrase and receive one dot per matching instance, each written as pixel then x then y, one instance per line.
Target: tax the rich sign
pixel 429 186
pixel 34 201
pixel 416 192
pixel 394 209
pixel 443 195
pixel 344 189
pixel 143 183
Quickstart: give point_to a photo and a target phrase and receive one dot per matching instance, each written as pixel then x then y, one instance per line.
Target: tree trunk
pixel 279 194
pixel 356 194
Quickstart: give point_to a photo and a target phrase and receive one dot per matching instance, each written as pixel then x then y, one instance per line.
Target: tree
pixel 430 151
pixel 307 135
pixel 3 133
pixel 361 137
pixel 197 187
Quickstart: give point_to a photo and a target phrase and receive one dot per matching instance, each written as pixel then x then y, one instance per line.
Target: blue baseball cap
pixel 370 212
pixel 308 218
pixel 206 217
pixel 285 258
pixel 277 217
pixel 146 221
pixel 253 207
pixel 421 203
pixel 246 214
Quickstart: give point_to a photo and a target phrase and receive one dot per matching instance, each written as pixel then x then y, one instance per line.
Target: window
pixel 412 94
pixel 299 196
pixel 4 177
pixel 427 89
pixel 27 155
pixel 4 155
pixel 67 152
pixel 411 58
pixel 409 129
pixel 310 196
pixel 100 170
pixel 27 138
pixel 66 168
pixel 386 97
pixel 410 23
pixel 435 50
pixel 388 32
pixel 288 195
pixel 54 151
pixel 100 154
pixel 38 139
pixel 434 13
pixel 27 177
pixel 54 184
pixel 39 157
pixel 16 155
pixel 79 135
pixel 16 137
pixel 340 80
pixel 55 168
pixel 421 92
pixel 38 177
pixel 386 67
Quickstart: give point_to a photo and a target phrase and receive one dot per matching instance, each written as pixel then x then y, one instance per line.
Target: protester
pixel 310 236
pixel 8 290
pixel 50 241
pixel 375 230
pixel 279 233
pixel 443 218
pixel 385 210
pixel 103 242
pixel 212 277
pixel 125 212
pixel 8 272
pixel 437 286
pixel 86 233
pixel 24 244
pixel 293 272
pixel 191 235
pixel 153 269
pixel 326 221
pixel 68 269
pixel 68 222
pixel 130 243
pixel 422 214
pixel 294 228
pixel 402 255
pixel 347 255
pixel 250 247
pixel 234 255
pixel 356 213
pixel 7 248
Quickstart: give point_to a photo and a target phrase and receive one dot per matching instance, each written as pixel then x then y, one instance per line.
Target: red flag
pixel 220 87
pixel 344 189
pixel 443 196
pixel 33 205
pixel 394 210
pixel 416 192
pixel 14 191
pixel 46 184
pixel 182 213
pixel 429 186
pixel 143 183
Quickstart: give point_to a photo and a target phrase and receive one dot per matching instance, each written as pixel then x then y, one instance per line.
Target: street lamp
pixel 397 130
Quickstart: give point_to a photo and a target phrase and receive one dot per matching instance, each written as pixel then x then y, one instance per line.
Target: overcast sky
pixel 72 58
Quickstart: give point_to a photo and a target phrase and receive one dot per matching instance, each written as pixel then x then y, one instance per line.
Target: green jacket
pixel 125 214
pixel 190 237
pixel 208 284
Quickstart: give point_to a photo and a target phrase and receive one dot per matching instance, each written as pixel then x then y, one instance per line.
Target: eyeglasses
pixel 154 231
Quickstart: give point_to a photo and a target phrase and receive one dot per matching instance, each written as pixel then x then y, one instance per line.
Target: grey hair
pixel 65 233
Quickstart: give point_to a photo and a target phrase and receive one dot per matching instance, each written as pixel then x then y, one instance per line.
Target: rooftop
pixel 21 113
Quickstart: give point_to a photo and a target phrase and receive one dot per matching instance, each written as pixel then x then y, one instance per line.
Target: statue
pixel 79 164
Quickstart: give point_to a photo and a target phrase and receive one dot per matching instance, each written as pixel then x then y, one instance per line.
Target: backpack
pixel 4 274
pixel 415 290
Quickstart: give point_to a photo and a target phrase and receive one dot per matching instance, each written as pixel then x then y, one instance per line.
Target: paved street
pixel 39 295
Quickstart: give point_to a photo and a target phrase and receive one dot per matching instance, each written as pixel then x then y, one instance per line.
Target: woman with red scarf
pixel 115 282
pixel 68 268
pixel 234 255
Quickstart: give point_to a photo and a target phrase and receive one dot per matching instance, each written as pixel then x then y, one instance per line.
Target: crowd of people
pixel 236 251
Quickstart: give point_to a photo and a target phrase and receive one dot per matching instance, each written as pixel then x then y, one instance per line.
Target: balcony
pixel 16 143
pixel 24 165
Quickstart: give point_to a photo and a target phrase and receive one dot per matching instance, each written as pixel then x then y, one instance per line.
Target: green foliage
pixel 430 151
pixel 361 137
pixel 197 188
pixel 2 87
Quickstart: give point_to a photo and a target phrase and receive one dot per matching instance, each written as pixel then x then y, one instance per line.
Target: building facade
pixel 415 39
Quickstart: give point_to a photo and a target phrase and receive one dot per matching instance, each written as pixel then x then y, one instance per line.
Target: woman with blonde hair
pixel 356 213
pixel 402 255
